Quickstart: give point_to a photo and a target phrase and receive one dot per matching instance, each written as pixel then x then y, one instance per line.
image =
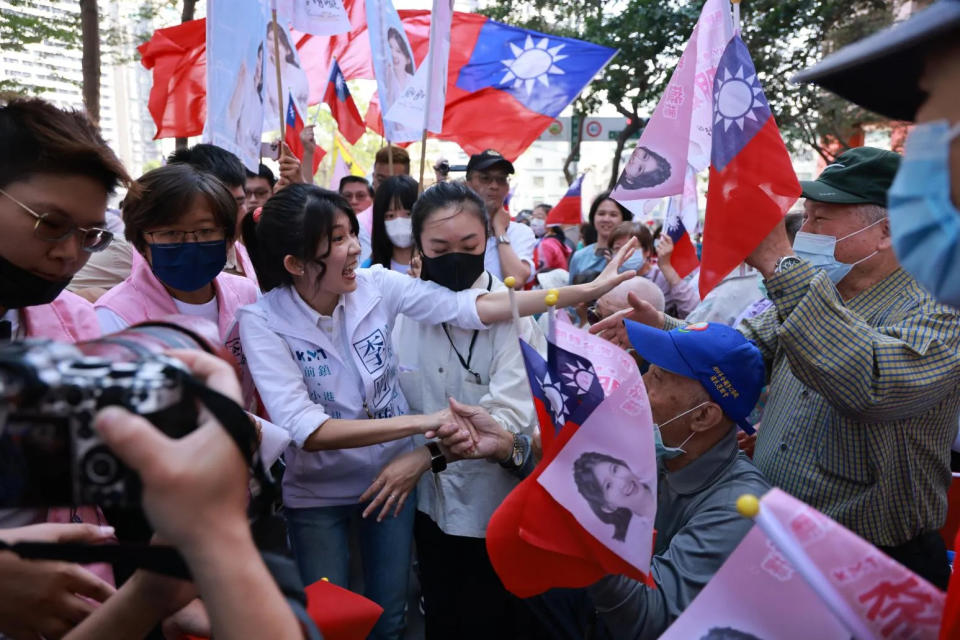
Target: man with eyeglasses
pixel 510 249
pixel 56 173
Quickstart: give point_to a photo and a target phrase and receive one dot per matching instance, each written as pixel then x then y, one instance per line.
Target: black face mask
pixel 20 288
pixel 455 271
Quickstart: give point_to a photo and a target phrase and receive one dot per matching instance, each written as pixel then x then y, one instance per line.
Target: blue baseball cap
pixel 728 365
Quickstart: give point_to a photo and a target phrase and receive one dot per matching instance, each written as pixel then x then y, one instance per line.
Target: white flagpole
pixel 736 16
pixel 750 507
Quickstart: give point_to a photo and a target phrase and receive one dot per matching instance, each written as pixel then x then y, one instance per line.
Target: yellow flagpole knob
pixel 748 506
pixel 551 299
pixel 510 281
pixel 553 292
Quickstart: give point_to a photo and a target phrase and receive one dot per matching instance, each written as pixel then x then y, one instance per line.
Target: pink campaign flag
pixel 679 131
pixel 836 583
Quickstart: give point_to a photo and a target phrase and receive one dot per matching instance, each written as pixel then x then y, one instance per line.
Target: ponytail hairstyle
pixel 293 222
pixel 445 194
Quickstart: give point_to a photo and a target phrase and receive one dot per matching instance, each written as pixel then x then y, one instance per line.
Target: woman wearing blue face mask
pixel 181 221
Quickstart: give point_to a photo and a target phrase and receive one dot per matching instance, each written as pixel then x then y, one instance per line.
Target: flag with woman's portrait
pixel 588 508
pixel 393 63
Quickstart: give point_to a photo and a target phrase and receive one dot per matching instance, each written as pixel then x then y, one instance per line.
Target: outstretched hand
pixel 612 328
pixel 611 275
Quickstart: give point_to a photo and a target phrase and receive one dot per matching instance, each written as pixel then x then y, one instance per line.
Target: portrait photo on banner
pixel 606 474
pixel 393 63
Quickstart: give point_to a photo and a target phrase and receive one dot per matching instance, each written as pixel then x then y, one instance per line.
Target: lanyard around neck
pixel 473 341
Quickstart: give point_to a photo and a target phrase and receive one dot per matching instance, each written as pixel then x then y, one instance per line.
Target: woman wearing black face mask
pixel 477 367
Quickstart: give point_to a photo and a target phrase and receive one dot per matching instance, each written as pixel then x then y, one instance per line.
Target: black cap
pixel 487 160
pixel 861 175
pixel 881 72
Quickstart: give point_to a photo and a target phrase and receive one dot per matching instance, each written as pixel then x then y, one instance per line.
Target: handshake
pixel 472 433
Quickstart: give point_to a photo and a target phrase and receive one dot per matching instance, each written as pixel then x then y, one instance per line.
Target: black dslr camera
pixel 50 454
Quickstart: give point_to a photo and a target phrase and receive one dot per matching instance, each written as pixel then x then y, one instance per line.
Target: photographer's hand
pixel 195 495
pixel 39 598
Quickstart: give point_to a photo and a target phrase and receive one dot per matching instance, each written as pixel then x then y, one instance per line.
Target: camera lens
pixel 100 466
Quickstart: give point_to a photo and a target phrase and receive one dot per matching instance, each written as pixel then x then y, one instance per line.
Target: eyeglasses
pixel 486 180
pixel 179 237
pixel 593 317
pixel 57 227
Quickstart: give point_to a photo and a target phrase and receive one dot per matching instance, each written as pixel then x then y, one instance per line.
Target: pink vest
pixel 246 264
pixel 142 297
pixel 69 318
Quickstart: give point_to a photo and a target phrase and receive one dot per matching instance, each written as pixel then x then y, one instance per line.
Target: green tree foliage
pixel 783 36
pixel 22 25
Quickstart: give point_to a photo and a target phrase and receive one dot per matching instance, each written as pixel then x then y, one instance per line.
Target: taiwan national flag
pixel 505 85
pixel 592 408
pixel 294 125
pixel 342 106
pixel 568 210
pixel 752 182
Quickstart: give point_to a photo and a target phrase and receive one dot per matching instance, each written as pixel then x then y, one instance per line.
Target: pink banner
pixel 606 475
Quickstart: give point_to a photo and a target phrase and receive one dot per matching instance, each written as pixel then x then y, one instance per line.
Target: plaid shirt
pixel 864 401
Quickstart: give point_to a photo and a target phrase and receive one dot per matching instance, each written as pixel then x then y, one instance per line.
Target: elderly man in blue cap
pixel 703 382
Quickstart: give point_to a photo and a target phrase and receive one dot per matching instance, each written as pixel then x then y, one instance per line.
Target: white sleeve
pixel 109 321
pixel 279 380
pixel 427 302
pixel 273 440
pixel 523 241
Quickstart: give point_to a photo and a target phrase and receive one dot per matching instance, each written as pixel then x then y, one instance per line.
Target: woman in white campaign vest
pixel 318 346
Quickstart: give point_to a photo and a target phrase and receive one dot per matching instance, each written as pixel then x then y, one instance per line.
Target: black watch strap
pixel 438 461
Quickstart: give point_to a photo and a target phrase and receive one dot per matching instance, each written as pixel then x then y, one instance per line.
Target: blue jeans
pixel 319 539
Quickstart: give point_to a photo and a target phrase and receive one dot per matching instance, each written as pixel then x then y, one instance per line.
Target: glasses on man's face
pixel 487 179
pixel 57 227
pixel 593 316
pixel 179 237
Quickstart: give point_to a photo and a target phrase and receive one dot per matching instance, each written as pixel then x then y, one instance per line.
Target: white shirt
pixel 110 322
pixel 522 241
pixel 397 266
pixel 462 498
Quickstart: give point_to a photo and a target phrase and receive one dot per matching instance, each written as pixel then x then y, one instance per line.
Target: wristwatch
pixel 786 263
pixel 438 461
pixel 503 239
pixel 519 453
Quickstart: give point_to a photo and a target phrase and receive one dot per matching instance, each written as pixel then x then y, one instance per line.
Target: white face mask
pixel 538 226
pixel 400 232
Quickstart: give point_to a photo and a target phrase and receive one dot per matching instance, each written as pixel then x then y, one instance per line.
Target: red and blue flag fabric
pixel 505 85
pixel 342 106
pixel 292 129
pixel 568 210
pixel 535 543
pixel 752 182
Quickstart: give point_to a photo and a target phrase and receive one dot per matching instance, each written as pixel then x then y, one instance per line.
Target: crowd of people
pixel 375 350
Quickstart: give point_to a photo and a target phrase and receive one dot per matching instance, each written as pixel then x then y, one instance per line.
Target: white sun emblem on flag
pixel 531 64
pixel 736 97
pixel 554 394
pixel 579 377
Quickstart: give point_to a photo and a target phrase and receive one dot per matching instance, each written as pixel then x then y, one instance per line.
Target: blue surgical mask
pixel 663 452
pixel 924 223
pixel 188 266
pixel 634 262
pixel 818 250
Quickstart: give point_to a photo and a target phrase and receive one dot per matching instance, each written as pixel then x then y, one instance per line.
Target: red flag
pixel 178 97
pixel 536 543
pixel 752 183
pixel 340 614
pixel 342 106
pixel 482 116
pixel 568 210
pixel 294 125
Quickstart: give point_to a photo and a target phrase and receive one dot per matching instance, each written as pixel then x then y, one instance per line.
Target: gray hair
pixel 871 212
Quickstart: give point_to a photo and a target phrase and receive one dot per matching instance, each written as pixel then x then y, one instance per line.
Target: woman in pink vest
pixel 181 221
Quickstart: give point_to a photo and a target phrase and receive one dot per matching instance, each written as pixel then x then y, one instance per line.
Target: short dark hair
pixel 792 222
pixel 263 171
pixel 444 194
pixel 345 180
pixel 400 156
pixel 293 222
pixel 546 207
pixel 650 178
pixel 213 159
pixel 589 487
pixel 728 633
pixel 37 137
pixel 624 212
pixel 402 189
pixel 636 230
pixel 163 195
